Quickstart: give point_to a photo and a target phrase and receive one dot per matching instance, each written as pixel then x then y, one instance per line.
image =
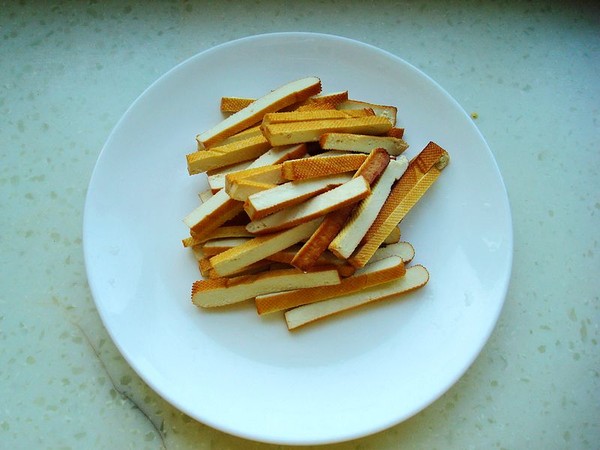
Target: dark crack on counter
pixel 120 391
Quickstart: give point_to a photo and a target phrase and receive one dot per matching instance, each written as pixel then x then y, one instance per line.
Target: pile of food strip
pixel 307 192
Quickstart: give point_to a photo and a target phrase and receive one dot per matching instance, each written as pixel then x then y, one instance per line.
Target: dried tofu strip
pixel 212 214
pixel 260 248
pixel 419 176
pixel 216 179
pixel 204 266
pixel 403 250
pixel 326 259
pixel 267 202
pixel 332 98
pixel 311 107
pixel 236 231
pixel 362 143
pixel 226 291
pixel 226 155
pixel 286 95
pixel 414 278
pixel 267 174
pixel 319 166
pixel 371 169
pixel 366 211
pixel 376 162
pixel 372 275
pixel 279 154
pixel 205 195
pixel 284 256
pixel 220 208
pixel 240 219
pixel 207 271
pixel 241 190
pixel 393 237
pixel 322 237
pixel 350 192
pixel 216 246
pixel 265 171
pixel 313 115
pixel 387 111
pixel 190 242
pixel 197 252
pixel 395 132
pixel 245 134
pixel 234 104
pixel 311 131
pixel 329 153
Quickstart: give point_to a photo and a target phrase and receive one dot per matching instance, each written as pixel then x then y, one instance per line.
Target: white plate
pixel 337 380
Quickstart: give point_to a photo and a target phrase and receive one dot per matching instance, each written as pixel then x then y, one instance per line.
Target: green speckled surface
pixel 528 72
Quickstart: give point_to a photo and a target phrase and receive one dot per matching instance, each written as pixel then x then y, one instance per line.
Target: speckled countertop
pixel 529 71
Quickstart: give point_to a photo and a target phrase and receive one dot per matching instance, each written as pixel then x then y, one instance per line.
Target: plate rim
pixel 505 282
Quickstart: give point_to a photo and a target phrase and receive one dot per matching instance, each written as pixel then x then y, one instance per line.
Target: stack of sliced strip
pixel 307 192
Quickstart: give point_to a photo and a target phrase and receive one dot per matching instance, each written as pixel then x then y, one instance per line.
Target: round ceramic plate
pixel 344 377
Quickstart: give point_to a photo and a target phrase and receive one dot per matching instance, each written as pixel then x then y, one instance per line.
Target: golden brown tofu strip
pixel 420 175
pixel 281 97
